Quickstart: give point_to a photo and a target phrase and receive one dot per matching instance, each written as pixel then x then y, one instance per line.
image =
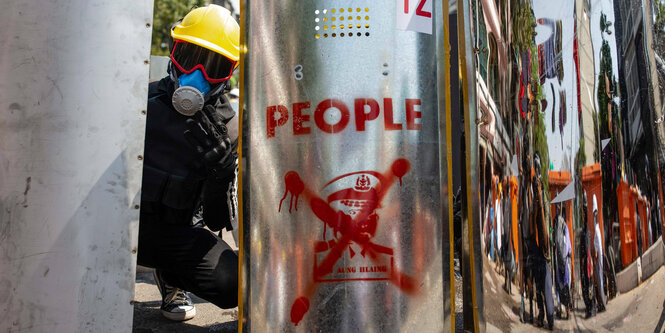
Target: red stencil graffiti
pixel 349 214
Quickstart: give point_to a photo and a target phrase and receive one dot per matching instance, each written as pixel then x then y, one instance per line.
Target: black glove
pixel 208 135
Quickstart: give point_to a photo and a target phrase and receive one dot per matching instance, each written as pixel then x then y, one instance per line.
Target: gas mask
pixel 200 75
pixel 190 96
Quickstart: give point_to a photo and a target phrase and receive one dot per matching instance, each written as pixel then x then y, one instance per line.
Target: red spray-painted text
pixel 364 110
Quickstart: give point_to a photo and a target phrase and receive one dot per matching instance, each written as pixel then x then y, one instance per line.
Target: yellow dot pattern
pixel 327 15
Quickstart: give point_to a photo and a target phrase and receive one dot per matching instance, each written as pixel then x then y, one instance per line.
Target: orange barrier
pixel 626 207
pixel 642 211
pixel 592 184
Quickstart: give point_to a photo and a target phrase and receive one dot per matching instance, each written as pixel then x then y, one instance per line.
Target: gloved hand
pixel 208 135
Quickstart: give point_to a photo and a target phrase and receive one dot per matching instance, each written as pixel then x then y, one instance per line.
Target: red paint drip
pixel 298 310
pixel 295 186
pixel 399 168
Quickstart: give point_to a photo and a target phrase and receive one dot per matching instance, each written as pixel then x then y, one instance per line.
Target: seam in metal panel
pixel 468 123
pixel 241 245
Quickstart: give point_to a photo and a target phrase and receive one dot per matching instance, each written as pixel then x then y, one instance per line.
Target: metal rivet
pixel 147 62
pixel 143 112
pixel 137 206
pixel 140 157
pixel 148 25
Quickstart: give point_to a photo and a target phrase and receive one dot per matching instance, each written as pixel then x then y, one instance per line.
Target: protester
pixel 598 247
pixel 509 257
pixel 542 273
pixel 497 223
pixel 526 241
pixel 563 254
pixel 190 165
pixel 586 264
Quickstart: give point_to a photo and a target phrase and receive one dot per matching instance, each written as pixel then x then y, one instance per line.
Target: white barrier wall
pixel 73 85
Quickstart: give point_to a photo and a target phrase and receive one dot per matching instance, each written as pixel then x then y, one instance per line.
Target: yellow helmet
pixel 212 27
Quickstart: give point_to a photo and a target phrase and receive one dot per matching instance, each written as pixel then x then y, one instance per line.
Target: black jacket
pixel 176 185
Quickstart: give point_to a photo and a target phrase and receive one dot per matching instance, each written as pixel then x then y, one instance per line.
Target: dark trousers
pixel 587 289
pixel 564 295
pixel 190 258
pixel 507 283
pixel 543 279
pixel 509 268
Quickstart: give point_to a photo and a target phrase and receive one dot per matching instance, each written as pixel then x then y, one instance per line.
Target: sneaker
pixel 176 303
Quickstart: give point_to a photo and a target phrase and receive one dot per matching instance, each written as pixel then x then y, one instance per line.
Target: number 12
pixel 419 9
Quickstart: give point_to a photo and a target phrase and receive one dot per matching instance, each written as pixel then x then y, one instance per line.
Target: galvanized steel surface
pixel 74 78
pixel 313 162
pixel 580 84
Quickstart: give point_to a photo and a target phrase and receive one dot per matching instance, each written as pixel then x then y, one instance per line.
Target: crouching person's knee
pixel 226 282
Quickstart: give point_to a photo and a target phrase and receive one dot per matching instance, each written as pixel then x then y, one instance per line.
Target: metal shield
pixel 73 84
pixel 343 218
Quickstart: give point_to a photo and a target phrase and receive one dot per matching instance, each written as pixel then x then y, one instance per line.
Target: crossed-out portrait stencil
pixel 349 212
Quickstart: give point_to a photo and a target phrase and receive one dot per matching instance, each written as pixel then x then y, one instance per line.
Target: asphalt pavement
pixel 148 318
pixel 639 310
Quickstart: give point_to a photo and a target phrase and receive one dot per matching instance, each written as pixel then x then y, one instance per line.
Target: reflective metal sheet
pixel 343 220
pixel 73 83
pixel 579 84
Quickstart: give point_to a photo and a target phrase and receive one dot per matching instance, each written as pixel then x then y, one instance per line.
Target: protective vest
pixel 173 174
